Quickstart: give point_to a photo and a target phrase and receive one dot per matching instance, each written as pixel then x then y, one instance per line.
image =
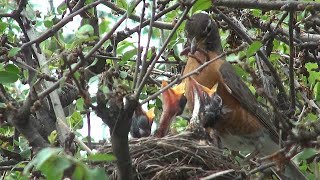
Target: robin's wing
pixel 242 93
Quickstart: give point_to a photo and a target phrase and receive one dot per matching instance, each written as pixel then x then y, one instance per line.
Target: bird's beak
pixel 201 90
pixel 150 115
pixel 171 105
pixel 193 46
pixel 207 104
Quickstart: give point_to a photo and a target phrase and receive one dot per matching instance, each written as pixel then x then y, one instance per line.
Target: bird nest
pixel 181 156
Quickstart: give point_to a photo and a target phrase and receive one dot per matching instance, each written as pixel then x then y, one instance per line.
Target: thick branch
pixel 267 6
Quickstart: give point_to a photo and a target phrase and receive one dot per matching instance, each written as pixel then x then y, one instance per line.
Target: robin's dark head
pixel 202 32
pixel 142 122
pixel 208 104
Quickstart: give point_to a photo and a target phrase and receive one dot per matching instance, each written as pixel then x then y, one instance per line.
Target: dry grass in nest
pixel 182 156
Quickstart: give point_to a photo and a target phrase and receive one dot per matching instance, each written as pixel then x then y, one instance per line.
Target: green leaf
pixel 253 48
pixel 61 8
pixel 128 54
pixel 122 4
pixel 13 51
pixel 123 45
pixel 130 8
pixel 240 72
pixel 48 21
pixel 314 76
pixel 12 68
pixel 8 77
pixel 275 57
pixel 85 31
pixel 79 173
pixel 44 155
pixel 232 58
pixel 306 154
pixel 123 74
pixel 97 173
pixel 75 120
pixel 105 89
pixel 316 91
pixel 80 104
pixel 311 117
pixel 25 154
pixel 2 67
pixel 201 5
pixel 54 167
pixel 53 137
pixel 180 124
pixel 98 157
pixel 104 26
pixel 3 105
pixel 256 12
pixel 3 26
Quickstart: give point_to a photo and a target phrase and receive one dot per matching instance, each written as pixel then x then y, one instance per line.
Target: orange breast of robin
pixel 237 120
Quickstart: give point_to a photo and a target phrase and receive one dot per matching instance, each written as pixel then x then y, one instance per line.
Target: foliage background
pixel 72 51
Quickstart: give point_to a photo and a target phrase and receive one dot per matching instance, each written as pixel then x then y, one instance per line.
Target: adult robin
pixel 230 108
pixel 173 103
pixel 141 122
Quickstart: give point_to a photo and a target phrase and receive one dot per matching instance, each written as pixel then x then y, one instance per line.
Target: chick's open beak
pixel 150 114
pixel 173 102
pixel 208 104
pixel 201 92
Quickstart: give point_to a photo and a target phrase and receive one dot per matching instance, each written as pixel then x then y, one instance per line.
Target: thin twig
pixel 261 168
pixel 108 35
pixel 50 32
pixel 133 60
pixel 158 24
pixel 138 91
pixel 218 174
pixel 291 63
pixel 266 5
pixel 139 49
pixel 144 60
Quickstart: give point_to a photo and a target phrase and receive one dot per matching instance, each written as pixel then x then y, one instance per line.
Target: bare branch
pixel 157 24
pixel 108 35
pixel 266 5
pixel 144 60
pixel 291 63
pixel 50 32
pixel 138 91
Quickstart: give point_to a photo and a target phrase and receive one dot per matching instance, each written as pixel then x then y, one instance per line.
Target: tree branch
pixel 157 24
pixel 50 32
pixel 267 6
pixel 164 46
pixel 291 63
